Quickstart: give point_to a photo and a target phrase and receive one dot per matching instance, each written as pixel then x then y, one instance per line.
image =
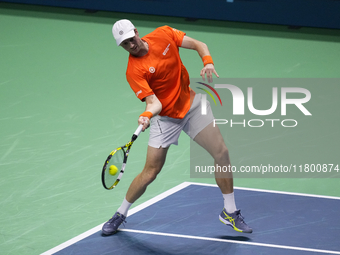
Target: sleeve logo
pixel 138 92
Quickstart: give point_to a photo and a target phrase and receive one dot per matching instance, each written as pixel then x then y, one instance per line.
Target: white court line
pixel 269 191
pixel 132 211
pixel 162 196
pixel 231 241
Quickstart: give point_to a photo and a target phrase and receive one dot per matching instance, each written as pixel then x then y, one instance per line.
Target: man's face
pixel 133 44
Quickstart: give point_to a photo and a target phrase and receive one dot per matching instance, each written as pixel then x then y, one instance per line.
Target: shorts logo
pixel 152 69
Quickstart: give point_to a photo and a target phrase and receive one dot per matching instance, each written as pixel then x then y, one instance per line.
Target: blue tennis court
pixel 184 220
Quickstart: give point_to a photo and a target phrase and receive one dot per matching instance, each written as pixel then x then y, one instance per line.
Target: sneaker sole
pixel 109 233
pixel 226 222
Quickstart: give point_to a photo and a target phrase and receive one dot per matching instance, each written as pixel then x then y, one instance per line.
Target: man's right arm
pixel 154 106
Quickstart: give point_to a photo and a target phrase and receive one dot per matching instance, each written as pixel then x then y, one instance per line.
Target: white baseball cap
pixel 123 29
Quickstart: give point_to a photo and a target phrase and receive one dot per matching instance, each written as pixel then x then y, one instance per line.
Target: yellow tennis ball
pixel 113 170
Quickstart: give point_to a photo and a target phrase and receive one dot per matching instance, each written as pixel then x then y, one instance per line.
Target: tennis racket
pixel 117 161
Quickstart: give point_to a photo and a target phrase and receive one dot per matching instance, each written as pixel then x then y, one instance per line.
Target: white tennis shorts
pixel 165 131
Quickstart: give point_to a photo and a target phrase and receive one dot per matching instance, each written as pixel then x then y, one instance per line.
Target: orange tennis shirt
pixel 161 72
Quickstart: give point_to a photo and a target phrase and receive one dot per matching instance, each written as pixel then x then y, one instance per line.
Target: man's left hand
pixel 208 70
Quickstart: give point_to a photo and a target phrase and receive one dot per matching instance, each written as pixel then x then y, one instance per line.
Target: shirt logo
pixel 152 69
pixel 138 92
pixel 166 50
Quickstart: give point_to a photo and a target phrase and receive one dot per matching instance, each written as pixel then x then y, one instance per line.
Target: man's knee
pixel 222 154
pixel 149 174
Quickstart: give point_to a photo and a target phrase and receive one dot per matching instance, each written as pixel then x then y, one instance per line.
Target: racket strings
pixel 116 160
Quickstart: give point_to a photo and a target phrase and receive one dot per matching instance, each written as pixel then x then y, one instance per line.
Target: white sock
pixel 123 209
pixel 229 202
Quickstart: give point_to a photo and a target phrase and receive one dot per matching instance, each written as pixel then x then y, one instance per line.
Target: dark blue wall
pixel 310 13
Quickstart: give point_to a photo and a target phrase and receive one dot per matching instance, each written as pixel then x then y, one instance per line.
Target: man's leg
pixel 210 138
pixel 155 159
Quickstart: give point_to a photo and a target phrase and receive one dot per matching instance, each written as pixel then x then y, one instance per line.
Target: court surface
pixel 184 220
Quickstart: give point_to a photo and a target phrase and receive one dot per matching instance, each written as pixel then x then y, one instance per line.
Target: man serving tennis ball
pixel 157 76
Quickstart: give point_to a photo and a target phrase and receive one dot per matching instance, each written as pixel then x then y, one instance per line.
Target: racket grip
pixel 137 132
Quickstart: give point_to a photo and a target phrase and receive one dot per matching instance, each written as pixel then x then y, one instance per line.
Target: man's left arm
pixel 203 51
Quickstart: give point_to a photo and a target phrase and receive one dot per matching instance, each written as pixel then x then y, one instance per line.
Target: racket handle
pixel 137 132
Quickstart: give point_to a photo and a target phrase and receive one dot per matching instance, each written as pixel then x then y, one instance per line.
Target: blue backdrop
pixel 310 13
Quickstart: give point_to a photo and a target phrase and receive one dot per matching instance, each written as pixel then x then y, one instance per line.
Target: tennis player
pixel 157 76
